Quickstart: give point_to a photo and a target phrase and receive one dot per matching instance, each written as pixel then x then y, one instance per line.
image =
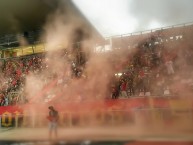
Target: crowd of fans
pixel 158 67
pixel 14 72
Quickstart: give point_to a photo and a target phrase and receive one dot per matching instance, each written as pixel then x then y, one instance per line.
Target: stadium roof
pixel 110 17
pixel 18 16
pixel 22 15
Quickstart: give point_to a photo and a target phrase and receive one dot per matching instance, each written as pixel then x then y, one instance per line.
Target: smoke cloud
pixel 163 12
pixel 56 83
pixel 64 59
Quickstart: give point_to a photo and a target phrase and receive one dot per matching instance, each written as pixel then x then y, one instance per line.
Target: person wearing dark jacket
pixel 53 119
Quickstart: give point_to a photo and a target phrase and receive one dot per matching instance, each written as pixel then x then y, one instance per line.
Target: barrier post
pixel 116 116
pixel 191 116
pixel 61 119
pixel 137 117
pixel 70 119
pixel 16 121
pixel 82 119
pixel 0 121
pixel 33 120
pixel 25 118
pixel 16 118
pixel 112 121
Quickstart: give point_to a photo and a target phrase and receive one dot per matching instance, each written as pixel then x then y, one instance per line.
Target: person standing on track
pixel 53 120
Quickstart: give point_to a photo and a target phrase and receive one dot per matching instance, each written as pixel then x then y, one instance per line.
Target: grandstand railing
pixel 11 38
pixel 145 117
pixel 151 30
pixel 6 40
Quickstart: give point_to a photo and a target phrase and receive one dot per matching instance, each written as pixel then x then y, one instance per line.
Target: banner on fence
pixel 161 110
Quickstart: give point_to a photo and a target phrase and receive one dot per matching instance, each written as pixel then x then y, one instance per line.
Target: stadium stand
pixel 161 65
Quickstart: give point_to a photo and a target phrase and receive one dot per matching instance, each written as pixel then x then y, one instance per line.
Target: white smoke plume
pixel 163 12
pixel 60 35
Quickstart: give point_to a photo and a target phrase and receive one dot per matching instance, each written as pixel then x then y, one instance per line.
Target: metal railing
pixel 156 117
pixel 151 30
pixel 14 38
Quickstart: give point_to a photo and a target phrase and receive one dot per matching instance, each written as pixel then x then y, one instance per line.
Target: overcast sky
pixel 114 17
pixel 110 17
